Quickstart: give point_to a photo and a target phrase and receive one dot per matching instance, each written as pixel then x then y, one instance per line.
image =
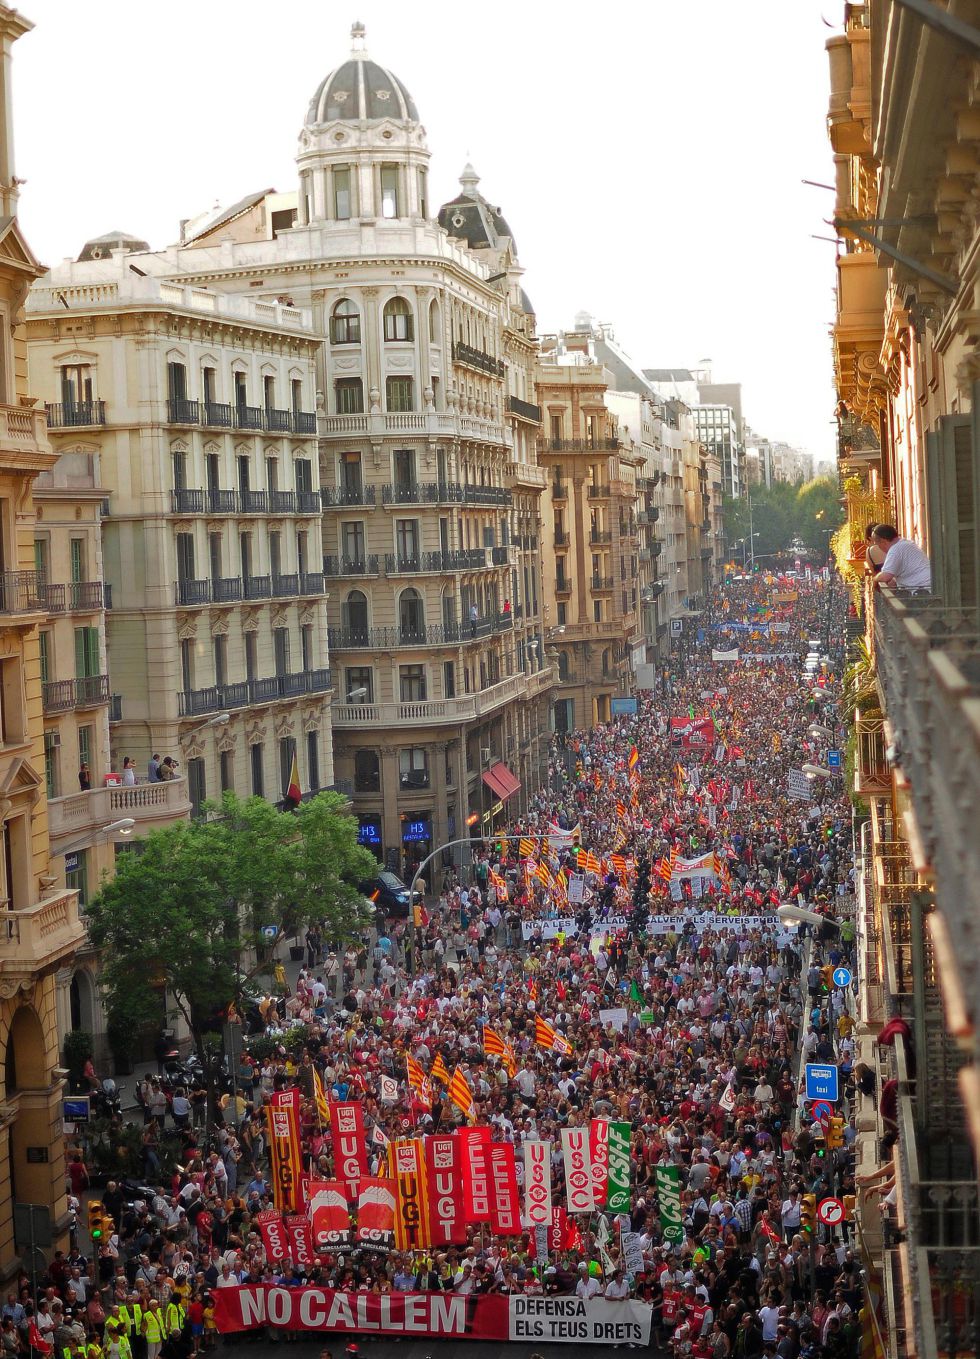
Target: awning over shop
pixel 499 778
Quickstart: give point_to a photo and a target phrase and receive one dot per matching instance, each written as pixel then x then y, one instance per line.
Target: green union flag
pixel 618 1168
pixel 669 1197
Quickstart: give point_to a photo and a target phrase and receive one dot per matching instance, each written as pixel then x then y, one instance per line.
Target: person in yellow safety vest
pixel 137 1340
pixel 153 1329
pixel 117 1342
pixel 117 1319
pixel 175 1316
pixel 93 1350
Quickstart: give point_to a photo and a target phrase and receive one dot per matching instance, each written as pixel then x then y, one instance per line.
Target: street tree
pixel 185 912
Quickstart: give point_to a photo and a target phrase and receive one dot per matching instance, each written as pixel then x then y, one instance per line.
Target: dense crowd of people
pixel 683 1004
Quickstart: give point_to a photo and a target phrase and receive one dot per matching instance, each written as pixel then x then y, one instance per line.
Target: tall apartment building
pixel 39 926
pixel 904 123
pixel 188 416
pixel 590 518
pixel 426 420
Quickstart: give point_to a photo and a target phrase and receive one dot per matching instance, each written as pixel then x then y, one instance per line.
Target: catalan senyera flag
pixel 462 1096
pixel 543 875
pixel 499 1047
pixel 499 883
pixel 320 1098
pixel 440 1072
pixel 634 758
pixel 417 1078
pixel 620 839
pixel 525 848
pixel 547 1036
pixel 621 810
pixel 619 866
pixel 592 864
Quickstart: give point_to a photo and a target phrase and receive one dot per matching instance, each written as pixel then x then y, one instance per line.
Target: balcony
pixel 487 495
pixel 344 496
pixel 23 592
pixel 149 805
pixel 187 502
pixel 248 693
pixel 600 535
pixel 578 445
pixel 561 538
pixel 432 712
pixel 451 633
pixel 182 412
pixel 191 594
pixel 41 937
pixel 429 563
pixel 218 414
pixel 73 414
pixel 257 587
pixel 335 567
pixel 477 358
pixel 220 501
pixel 226 589
pixel 648 516
pixel 308 502
pixel 285 587
pixel 86 596
pixel 282 502
pixel 563 586
pixel 598 492
pixel 311 582
pixel 524 410
pixel 253 502
pixel 601 583
pixel 559 491
pixel 60 696
pixel 422 493
pixel 278 422
pixel 304 422
pixel 500 556
pixel 248 417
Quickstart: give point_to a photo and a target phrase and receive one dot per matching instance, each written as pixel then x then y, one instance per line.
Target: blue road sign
pixel 833 759
pixel 842 976
pixel 821 1082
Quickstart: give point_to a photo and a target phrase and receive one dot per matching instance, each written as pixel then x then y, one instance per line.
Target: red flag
pixel 444 1179
pixel 274 1238
pixel 599 1155
pixel 300 1235
pixel 347 1135
pixel 505 1208
pixel 376 1214
pixel 475 1160
pixel 329 1215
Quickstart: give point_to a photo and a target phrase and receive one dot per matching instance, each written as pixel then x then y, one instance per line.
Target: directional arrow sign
pixel 842 976
pixel 830 1212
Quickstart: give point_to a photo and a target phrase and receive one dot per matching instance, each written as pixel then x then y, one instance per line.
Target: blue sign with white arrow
pixel 842 976
pixel 821 1082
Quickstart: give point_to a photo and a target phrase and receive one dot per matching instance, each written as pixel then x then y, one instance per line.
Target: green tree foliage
pixel 187 911
pixel 783 515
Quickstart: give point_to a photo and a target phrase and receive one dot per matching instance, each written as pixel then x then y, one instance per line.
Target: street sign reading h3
pixel 821 1082
pixel 842 976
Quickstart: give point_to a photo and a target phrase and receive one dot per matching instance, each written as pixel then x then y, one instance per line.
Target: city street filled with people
pixel 570 1092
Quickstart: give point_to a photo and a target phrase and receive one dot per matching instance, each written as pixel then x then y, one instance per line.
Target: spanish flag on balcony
pixel 294 795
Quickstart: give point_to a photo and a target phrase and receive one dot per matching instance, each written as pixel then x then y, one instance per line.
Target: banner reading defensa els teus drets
pixel 446 1315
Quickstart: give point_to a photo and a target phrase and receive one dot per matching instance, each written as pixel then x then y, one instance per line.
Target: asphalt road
pixel 250 1348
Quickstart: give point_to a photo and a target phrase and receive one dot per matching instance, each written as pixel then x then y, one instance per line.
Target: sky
pixel 648 155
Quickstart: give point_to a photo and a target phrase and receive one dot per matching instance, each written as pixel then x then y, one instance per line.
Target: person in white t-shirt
pixel 905 566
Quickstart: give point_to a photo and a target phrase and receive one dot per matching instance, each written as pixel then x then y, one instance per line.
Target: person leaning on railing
pixel 906 566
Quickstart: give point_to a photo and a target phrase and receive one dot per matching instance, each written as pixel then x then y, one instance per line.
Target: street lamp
pixel 815 771
pixel 801 915
pixel 356 694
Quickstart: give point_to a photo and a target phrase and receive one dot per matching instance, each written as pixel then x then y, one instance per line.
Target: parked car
pixel 389 894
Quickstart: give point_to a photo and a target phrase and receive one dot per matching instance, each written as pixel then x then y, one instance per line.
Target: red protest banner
pixel 285 1149
pixel 445 1186
pixel 329 1216
pixel 275 1240
pixel 347 1135
pixel 300 1235
pixel 599 1152
pixel 475 1157
pixel 692 733
pixel 411 1205
pixel 376 1214
pixel 505 1207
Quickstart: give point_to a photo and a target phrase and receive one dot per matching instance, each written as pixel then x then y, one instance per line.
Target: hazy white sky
pixel 647 155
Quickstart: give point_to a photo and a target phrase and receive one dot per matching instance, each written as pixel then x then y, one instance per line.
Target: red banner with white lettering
pixel 475 1155
pixel 537 1183
pixel 285 1149
pixel 347 1135
pixel 376 1214
pixel 505 1204
pixel 535 1321
pixel 599 1152
pixel 329 1215
pixel 411 1203
pixel 558 1230
pixel 274 1238
pixel 443 1170
pixel 300 1235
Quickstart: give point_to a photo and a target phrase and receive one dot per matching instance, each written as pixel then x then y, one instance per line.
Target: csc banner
pixel 411 1207
pixel 285 1150
pixel 274 1239
pixel 447 1316
pixel 300 1235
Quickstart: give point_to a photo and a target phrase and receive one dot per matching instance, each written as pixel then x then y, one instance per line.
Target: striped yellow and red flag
pixel 619 866
pixel 462 1096
pixel 597 780
pixel 417 1079
pixel 592 864
pixel 320 1098
pixel 525 848
pixel 499 1047
pixel 634 758
pixel 440 1072
pixel 543 875
pixel 621 810
pixel 532 989
pixel 620 838
pixel 547 1036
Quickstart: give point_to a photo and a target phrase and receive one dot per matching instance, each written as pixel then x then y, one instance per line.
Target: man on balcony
pixel 906 566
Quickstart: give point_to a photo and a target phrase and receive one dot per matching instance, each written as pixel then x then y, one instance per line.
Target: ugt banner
pixel 445 1185
pixel 285 1150
pixel 411 1206
pixel 447 1316
pixel 347 1132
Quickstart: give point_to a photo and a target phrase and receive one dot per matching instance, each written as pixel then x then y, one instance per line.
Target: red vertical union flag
pixel 474 1145
pixel 376 1214
pixel 274 1237
pixel 411 1205
pixel 285 1149
pixel 347 1135
pixel 559 1229
pixel 329 1214
pixel 599 1153
pixel 505 1206
pixel 443 1173
pixel 300 1236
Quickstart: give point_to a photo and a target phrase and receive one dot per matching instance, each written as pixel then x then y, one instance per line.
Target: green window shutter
pixel 951 503
pixel 77 562
pixel 80 652
pixel 43 639
pixel 86 652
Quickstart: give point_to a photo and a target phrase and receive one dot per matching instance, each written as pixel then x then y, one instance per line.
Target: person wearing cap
pixel 153 1329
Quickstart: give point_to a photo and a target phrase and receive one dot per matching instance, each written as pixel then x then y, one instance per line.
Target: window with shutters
pixel 951 496
pixel 86 652
pixel 313 760
pixel 399 392
pixel 256 757
pixel 77 554
pixel 197 787
pixel 350 396
pixel 226 771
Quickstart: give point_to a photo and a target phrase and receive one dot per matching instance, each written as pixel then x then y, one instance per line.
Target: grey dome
pixel 361 91
pixel 472 219
pixel 101 247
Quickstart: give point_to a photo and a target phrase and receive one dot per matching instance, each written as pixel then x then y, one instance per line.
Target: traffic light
pixel 97 1221
pixel 827 978
pixel 835 1133
pixel 808 1213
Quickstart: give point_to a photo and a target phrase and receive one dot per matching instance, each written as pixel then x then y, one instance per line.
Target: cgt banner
pixel 448 1316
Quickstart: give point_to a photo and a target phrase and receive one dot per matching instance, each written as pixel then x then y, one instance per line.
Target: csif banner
pixel 669 1198
pixel 618 1168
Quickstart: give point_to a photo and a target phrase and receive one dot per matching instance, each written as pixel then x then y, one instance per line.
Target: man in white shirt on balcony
pixel 905 566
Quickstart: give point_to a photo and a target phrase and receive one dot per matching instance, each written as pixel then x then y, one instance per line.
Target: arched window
pixel 367 771
pixel 411 615
pixel 345 323
pixel 355 616
pixel 434 335
pixel 398 320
